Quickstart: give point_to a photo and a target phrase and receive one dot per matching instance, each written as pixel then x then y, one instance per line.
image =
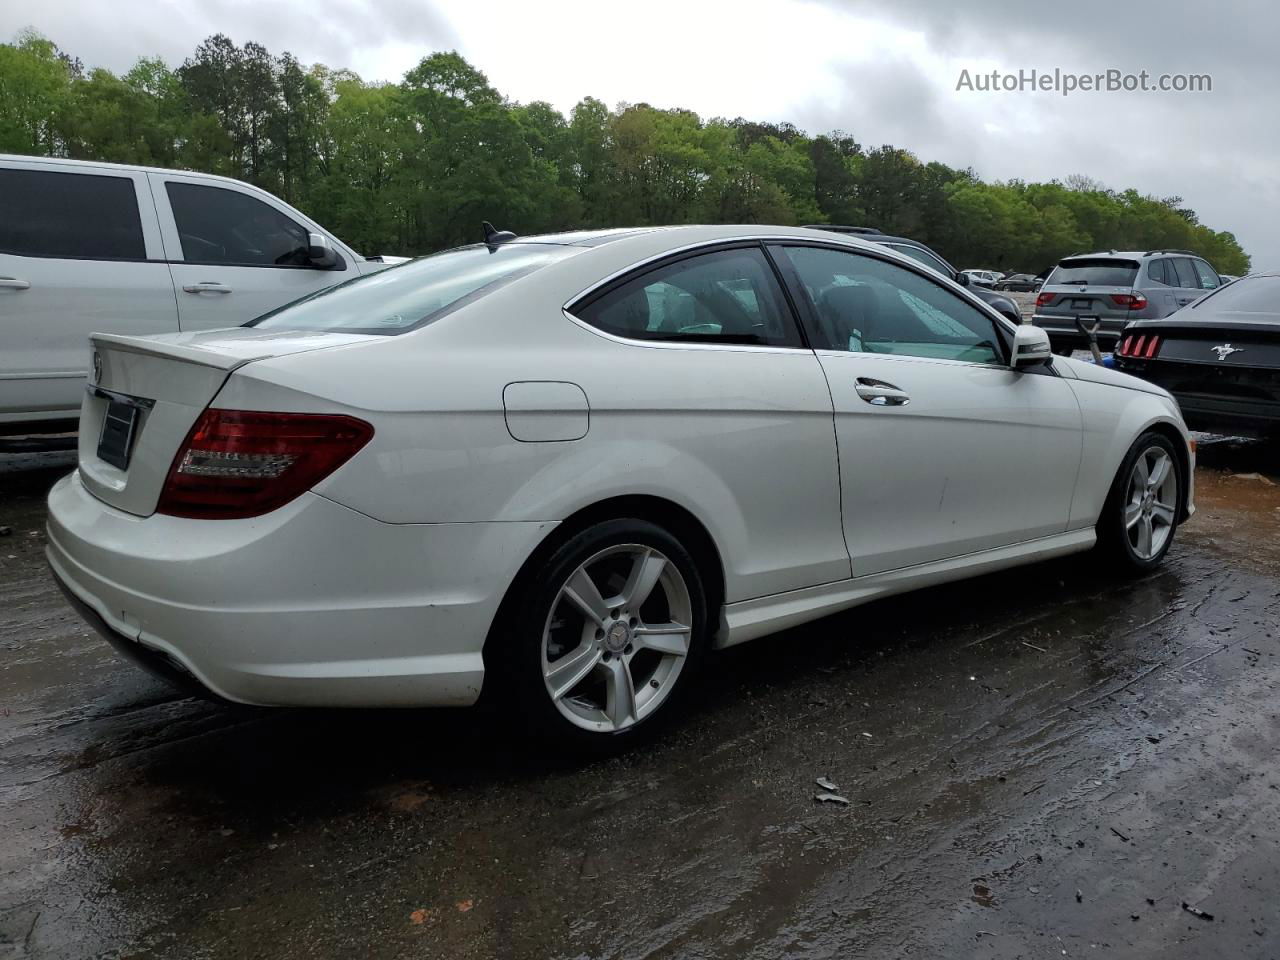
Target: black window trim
pixel 636 270
pixel 1000 324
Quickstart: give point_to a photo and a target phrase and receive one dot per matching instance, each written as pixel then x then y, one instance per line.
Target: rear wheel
pixel 608 636
pixel 1141 514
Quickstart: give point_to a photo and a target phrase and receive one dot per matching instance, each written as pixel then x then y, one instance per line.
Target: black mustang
pixel 1219 356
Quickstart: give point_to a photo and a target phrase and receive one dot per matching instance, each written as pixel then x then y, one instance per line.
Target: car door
pixel 1189 289
pixel 236 254
pixel 80 253
pixel 711 366
pixel 944 449
pixel 1162 285
pixel 1206 275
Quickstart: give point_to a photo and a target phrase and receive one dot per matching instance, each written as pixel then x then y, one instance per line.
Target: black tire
pixel 1114 544
pixel 518 654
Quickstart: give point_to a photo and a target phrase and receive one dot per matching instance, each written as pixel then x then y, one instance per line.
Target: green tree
pixel 415 166
pixel 35 88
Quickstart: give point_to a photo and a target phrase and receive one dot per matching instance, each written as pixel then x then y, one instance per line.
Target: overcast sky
pixel 884 71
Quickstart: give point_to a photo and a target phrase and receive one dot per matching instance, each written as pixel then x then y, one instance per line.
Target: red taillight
pixel 1133 301
pixel 1044 299
pixel 236 463
pixel 1141 347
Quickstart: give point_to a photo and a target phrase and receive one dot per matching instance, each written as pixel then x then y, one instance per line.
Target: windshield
pixel 412 294
pixel 1096 272
pixel 1246 295
pixel 922 256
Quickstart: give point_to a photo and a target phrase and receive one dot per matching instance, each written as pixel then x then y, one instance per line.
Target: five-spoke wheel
pixel 1151 506
pixel 617 637
pixel 619 614
pixel 1143 509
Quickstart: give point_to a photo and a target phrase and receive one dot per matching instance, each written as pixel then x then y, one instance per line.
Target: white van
pixel 104 248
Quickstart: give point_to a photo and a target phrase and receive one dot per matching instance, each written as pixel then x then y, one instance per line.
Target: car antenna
pixel 493 237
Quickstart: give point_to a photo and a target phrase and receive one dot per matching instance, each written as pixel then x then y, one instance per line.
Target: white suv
pixel 102 248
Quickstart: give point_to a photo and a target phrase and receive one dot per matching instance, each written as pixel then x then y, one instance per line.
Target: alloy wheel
pixel 617 638
pixel 1150 505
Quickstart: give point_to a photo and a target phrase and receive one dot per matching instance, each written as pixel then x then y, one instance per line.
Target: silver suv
pixel 1114 287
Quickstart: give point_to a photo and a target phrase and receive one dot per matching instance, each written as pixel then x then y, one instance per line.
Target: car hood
pixel 1096 373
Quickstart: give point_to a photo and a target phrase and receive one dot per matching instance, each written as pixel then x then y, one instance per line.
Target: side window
pixel 74 215
pixel 1208 279
pixel 229 227
pixel 1157 273
pixel 865 305
pixel 729 296
pixel 1185 272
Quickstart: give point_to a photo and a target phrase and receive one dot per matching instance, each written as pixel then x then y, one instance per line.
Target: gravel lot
pixel 1041 763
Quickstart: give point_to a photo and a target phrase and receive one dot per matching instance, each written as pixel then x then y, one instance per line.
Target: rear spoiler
pixel 153 347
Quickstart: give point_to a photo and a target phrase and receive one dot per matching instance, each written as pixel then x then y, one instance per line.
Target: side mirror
pixel 963 279
pixel 1030 346
pixel 319 252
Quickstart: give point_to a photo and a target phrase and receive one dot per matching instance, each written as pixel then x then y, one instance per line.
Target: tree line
pixel 414 166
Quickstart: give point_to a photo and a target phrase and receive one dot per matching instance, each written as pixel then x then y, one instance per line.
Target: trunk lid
pixel 1225 342
pixel 145 393
pixel 1072 300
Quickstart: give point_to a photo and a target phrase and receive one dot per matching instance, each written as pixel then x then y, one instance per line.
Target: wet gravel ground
pixel 1040 763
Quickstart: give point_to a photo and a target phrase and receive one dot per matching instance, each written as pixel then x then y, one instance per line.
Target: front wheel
pixel 1141 513
pixel 607 636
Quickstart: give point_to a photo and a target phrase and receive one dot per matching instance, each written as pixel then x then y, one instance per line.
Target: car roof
pixel 684 234
pixel 122 167
pixel 1111 255
pixel 1133 254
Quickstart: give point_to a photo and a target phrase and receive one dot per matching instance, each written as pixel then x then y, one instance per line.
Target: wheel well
pixel 1170 433
pixel 682 524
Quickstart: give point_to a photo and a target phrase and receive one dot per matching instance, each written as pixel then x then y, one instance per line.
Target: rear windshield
pixel 412 294
pixel 1096 272
pixel 1246 295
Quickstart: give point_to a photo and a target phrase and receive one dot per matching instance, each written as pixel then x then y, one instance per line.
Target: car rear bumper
pixel 1229 415
pixel 1064 332
pixel 313 604
pixel 1229 399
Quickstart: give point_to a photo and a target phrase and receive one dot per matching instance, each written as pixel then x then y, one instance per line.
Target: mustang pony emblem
pixel 1226 350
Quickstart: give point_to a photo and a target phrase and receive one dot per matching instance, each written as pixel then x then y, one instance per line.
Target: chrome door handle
pixel 881 394
pixel 206 286
pixel 13 283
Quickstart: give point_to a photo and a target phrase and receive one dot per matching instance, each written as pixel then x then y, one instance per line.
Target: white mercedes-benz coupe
pixel 565 468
